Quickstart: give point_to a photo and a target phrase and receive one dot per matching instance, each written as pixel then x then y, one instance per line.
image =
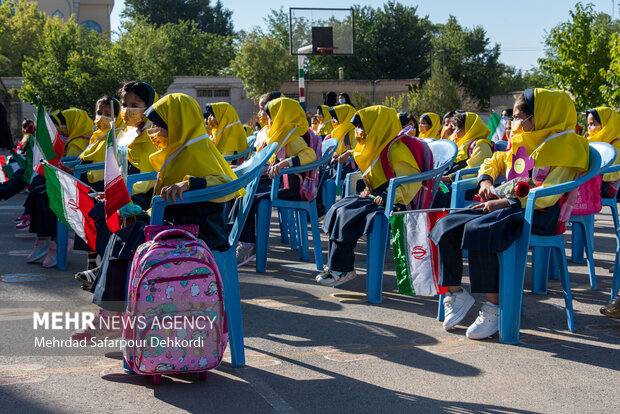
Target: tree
pixel 21 25
pixel 70 70
pixel 262 63
pixel 438 94
pixel 469 58
pixel 575 53
pixel 153 54
pixel 611 88
pixel 209 19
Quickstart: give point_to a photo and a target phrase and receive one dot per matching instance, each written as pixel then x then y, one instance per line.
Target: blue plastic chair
pixel 444 153
pixel 512 261
pixel 615 282
pixel 248 176
pixel 62 232
pixel 500 145
pixel 583 232
pixel 242 154
pixel 301 210
pixel 460 185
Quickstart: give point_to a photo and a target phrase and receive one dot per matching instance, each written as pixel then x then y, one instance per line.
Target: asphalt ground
pixel 313 349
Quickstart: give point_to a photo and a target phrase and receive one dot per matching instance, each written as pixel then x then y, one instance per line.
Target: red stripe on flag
pixel 116 196
pixel 85 204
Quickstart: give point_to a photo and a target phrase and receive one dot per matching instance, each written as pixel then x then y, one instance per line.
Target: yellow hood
pixel 229 136
pixel 434 131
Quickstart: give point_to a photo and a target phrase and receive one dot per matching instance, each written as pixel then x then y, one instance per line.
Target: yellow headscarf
pixel 95 151
pixel 554 113
pixel 344 113
pixel 288 121
pixel 610 123
pixel 189 151
pixel 229 136
pixel 326 127
pixel 434 131
pixel 80 128
pixel 248 130
pixel 381 125
pixel 474 128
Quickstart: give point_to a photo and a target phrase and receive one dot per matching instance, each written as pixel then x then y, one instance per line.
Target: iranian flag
pixel 116 194
pixel 415 255
pixel 70 202
pixel 48 144
pixel 497 126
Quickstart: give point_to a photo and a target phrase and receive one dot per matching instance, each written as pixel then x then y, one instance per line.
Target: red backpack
pixel 423 157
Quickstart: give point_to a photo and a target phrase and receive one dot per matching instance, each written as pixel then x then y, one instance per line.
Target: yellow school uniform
pixel 435 129
pixel 609 133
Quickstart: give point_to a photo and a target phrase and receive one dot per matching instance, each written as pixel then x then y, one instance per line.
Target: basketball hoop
pixel 326 50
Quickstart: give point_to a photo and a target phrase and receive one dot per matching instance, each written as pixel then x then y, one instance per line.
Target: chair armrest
pixel 396 181
pixel 465 171
pixel 67 159
pixel 71 163
pixel 79 169
pixel 134 178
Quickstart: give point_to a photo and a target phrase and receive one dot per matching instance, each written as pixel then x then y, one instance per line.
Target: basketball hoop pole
pixel 301 59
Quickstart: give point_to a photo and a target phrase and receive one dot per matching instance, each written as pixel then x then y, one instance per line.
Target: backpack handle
pixel 173 232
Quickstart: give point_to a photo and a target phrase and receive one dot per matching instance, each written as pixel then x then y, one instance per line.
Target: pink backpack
pixel 175 320
pixel 423 157
pixel 309 180
pixel 588 200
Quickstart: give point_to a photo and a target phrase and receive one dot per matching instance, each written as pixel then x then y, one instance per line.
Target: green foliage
pixel 439 94
pixel 209 19
pixel 70 70
pixel 152 54
pixel 21 25
pixel 611 88
pixel 469 58
pixel 396 102
pixel 262 64
pixel 575 53
pixel 359 100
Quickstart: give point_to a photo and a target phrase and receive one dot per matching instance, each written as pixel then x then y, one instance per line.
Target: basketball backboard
pixel 316 31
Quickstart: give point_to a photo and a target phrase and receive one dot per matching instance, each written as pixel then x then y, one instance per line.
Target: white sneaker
pixel 332 278
pixel 321 275
pixel 486 324
pixel 456 306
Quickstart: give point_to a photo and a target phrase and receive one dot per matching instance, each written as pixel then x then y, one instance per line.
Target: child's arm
pixel 192 183
pixel 490 169
pixel 299 152
pixel 482 151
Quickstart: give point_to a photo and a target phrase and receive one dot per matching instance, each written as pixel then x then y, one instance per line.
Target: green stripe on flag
pixel 399 237
pixel 55 194
pixel 43 138
pixel 494 121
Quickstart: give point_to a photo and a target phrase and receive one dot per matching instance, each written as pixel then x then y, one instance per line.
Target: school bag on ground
pixel 175 320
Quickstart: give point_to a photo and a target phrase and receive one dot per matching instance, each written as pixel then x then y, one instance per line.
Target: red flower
pixel 522 189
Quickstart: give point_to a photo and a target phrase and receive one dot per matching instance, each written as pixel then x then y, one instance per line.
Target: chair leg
pixel 375 259
pixel 316 236
pixel 615 282
pixel 589 248
pixel 283 218
pixel 227 264
pixel 511 295
pixel 293 227
pixel 577 248
pixel 62 243
pixel 441 314
pixel 304 254
pixel 263 219
pixel 540 268
pixel 568 299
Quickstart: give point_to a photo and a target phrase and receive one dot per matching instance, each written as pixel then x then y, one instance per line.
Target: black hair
pixel 112 102
pixel 331 98
pixel 448 115
pixel 347 99
pixel 523 106
pixel 405 118
pixel 319 110
pixel 266 97
pixel 508 111
pixel 427 119
pixel 209 111
pixel 154 117
pixel 459 120
pixel 595 114
pixel 27 122
pixel 142 90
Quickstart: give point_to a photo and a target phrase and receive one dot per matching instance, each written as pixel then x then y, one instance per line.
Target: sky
pixel 518 27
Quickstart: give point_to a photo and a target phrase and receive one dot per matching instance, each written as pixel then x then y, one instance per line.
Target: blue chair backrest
pixel 251 139
pixel 607 153
pixel 500 145
pixel 444 153
pixel 248 175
